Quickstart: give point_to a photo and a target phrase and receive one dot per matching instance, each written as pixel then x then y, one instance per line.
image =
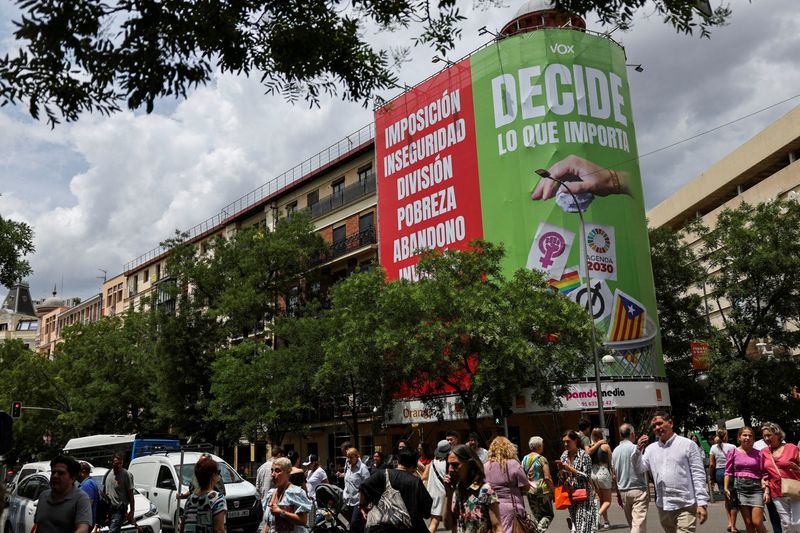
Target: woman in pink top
pixel 781 460
pixel 743 473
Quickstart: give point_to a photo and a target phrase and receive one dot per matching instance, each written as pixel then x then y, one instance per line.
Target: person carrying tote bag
pixel 781 461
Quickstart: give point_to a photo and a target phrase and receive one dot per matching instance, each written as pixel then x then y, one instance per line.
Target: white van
pixel 156 476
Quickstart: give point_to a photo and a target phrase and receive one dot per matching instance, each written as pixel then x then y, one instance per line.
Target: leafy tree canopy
pixel 16 241
pixel 106 368
pixel 678 273
pixel 98 56
pixel 359 371
pixel 485 337
pixel 31 379
pixel 748 264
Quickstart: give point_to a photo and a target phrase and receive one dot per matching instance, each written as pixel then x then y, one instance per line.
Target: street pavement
pixel 716 522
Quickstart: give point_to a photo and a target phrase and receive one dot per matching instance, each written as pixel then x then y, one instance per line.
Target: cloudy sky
pixel 102 191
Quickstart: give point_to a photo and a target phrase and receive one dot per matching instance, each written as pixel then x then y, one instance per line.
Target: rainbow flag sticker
pixel 568 282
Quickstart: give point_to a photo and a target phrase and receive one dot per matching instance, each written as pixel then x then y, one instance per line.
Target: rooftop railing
pixel 321 159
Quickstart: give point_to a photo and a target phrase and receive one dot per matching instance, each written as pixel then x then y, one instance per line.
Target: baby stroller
pixel 329 505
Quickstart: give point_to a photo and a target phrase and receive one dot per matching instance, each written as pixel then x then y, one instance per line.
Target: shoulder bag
pixel 789 487
pixel 576 495
pixel 521 523
pixel 735 502
pixel 390 510
pixel 103 512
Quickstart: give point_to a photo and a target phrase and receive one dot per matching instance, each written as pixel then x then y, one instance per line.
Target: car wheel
pixel 176 521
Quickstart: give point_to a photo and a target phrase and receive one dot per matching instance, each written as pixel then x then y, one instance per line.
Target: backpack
pixel 103 512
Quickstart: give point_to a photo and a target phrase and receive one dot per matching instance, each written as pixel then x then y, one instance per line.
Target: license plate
pixel 238 514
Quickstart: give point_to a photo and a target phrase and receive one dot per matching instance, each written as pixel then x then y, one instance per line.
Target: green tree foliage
pixel 16 241
pixel 486 337
pixel 106 369
pixel 359 371
pixel 32 379
pixel 235 290
pixel 241 281
pixel 258 391
pixel 749 267
pixel 678 275
pixel 684 15
pixel 93 55
pixel 753 256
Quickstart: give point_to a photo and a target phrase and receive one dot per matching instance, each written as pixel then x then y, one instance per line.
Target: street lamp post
pixel 590 300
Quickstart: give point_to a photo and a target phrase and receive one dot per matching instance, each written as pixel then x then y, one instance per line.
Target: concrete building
pixel 18 319
pixel 338 187
pixel 765 168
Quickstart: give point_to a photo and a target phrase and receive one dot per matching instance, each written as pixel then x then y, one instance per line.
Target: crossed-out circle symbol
pixel 598 240
pixel 598 303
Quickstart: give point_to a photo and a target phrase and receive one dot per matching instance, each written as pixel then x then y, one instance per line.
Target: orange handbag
pixel 562 500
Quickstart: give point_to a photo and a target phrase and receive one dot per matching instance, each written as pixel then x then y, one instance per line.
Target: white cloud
pixel 107 189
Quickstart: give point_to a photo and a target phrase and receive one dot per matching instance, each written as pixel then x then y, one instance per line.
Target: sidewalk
pixel 716 520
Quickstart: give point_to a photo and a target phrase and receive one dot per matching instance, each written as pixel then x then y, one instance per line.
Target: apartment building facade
pixel 763 169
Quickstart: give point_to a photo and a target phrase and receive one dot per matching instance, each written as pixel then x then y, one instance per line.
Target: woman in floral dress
pixel 471 506
pixel 576 471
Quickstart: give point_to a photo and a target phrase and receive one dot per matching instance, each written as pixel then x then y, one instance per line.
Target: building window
pixel 4 327
pixel 366 222
pixel 366 228
pixel 145 276
pixel 364 173
pixel 312 198
pixel 337 187
pixel 26 325
pixel 339 234
pixel 158 271
pixel 291 208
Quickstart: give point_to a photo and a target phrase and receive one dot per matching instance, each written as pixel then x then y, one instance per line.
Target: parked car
pixel 156 476
pixel 18 517
pixel 27 470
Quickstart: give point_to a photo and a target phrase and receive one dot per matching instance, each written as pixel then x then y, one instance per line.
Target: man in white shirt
pixel 631 485
pixel 677 469
pixel 315 476
pixel 264 474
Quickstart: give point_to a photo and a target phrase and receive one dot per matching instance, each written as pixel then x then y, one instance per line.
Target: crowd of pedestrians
pixel 467 488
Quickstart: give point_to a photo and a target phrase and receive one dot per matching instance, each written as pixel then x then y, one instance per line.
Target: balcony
pixel 354 242
pixel 349 194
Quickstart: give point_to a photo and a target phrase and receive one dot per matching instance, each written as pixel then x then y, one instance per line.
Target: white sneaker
pixel 570 525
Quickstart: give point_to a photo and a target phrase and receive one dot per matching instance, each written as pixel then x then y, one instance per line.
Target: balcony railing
pixel 354 242
pixel 349 194
pixel 345 146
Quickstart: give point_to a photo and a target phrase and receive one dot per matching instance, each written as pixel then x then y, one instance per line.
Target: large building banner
pixel 458 158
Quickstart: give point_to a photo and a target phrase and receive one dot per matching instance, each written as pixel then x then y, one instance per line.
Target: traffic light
pixel 5 433
pixel 16 409
pixel 497 415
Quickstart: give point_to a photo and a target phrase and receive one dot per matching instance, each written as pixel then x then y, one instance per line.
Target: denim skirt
pixel 749 491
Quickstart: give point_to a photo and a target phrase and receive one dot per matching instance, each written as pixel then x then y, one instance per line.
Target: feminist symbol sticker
pixel 550 249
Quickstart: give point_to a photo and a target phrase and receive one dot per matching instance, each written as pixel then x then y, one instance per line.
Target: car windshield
pixel 226 472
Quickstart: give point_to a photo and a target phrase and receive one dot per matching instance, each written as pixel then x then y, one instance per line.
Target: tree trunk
pixel 472 419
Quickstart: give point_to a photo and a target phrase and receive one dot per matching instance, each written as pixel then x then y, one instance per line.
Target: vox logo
pixel 562 49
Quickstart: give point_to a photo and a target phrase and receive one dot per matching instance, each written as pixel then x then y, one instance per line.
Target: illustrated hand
pixel 581 176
